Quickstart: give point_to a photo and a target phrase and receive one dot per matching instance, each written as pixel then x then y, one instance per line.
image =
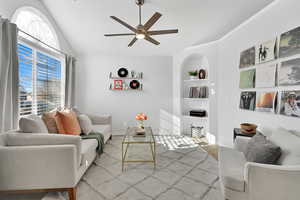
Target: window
pixel 41 70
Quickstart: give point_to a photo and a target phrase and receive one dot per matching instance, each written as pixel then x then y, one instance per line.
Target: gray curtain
pixel 70 82
pixel 9 76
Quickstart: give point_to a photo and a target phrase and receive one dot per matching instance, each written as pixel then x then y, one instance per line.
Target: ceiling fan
pixel 142 31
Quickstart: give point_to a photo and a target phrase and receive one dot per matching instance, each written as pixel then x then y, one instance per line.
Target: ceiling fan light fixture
pixel 140 36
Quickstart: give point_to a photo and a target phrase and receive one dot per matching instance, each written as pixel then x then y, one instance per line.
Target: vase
pixel 193 77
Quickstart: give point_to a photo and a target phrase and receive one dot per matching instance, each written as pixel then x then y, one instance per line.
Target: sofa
pixel 242 180
pixel 43 162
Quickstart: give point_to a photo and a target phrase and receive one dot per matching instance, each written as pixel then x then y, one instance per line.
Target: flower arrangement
pixel 141 117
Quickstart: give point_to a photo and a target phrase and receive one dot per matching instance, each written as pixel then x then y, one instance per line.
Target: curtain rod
pixel 43 42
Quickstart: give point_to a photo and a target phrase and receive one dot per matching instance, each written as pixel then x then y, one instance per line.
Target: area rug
pixel 184 171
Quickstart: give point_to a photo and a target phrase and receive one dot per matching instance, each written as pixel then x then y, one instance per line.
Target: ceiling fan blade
pixel 162 32
pixel 132 42
pixel 121 34
pixel 124 24
pixel 152 21
pixel 150 39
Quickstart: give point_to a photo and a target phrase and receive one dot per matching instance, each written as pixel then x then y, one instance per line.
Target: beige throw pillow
pixel 85 124
pixel 32 124
pixel 49 119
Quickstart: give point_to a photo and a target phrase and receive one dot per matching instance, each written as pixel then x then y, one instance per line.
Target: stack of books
pixel 198 92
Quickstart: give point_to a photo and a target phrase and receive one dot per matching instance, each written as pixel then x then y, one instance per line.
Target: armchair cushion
pixel 19 139
pixel 32 124
pixel 231 166
pixel 67 122
pixel 49 120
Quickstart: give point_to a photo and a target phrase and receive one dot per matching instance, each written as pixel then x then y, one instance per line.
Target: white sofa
pixel 242 180
pixel 41 162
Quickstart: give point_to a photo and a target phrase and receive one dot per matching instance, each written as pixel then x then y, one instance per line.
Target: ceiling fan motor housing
pixel 140 2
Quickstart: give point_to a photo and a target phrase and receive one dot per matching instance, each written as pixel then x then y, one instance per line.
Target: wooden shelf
pixel 125 78
pixel 140 89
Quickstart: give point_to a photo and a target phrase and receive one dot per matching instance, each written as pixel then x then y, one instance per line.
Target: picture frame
pixel 118 84
pixel 289 43
pixel 247 58
pixel 266 51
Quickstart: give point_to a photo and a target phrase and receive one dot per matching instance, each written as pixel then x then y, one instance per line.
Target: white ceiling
pixel 84 22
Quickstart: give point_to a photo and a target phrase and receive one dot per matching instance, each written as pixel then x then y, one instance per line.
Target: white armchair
pixel 242 180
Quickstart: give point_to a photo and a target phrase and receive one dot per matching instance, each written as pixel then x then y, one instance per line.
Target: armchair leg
pixel 72 193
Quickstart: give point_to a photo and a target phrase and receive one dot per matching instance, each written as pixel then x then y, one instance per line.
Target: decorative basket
pixel 248 128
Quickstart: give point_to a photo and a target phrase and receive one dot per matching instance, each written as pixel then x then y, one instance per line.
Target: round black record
pixel 122 72
pixel 134 84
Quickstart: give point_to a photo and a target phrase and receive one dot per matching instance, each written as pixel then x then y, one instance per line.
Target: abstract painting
pixel 265 51
pixel 265 76
pixel 247 101
pixel 290 43
pixel 290 103
pixel 265 102
pixel 247 79
pixel 289 73
pixel 247 58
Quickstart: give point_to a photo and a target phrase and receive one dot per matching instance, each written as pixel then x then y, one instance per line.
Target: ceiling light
pixel 140 36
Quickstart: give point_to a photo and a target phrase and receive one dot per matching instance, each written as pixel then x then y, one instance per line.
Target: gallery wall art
pixel 247 58
pixel 265 51
pixel 290 43
pixel 247 100
pixel 289 73
pixel 265 102
pixel 279 79
pixel 247 79
pixel 290 103
pixel 265 76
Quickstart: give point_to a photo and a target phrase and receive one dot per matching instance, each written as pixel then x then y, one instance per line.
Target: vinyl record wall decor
pixel 270 75
pixel 124 80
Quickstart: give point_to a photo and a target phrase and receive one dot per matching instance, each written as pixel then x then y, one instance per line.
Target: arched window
pixel 32 21
pixel 41 70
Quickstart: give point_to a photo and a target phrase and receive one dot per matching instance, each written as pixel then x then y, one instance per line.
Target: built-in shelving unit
pixel 191 63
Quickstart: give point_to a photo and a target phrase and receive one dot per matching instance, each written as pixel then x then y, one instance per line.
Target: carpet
pixel 184 172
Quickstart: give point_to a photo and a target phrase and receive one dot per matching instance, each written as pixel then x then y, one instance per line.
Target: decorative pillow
pixel 67 122
pixel 85 124
pixel 49 120
pixel 261 150
pixel 32 124
pixel 290 145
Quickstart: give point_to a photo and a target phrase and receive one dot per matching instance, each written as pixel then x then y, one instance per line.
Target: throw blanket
pixel 99 137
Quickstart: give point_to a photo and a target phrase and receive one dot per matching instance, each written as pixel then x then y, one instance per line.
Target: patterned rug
pixel 184 172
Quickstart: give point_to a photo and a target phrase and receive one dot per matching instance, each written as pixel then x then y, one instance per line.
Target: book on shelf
pixel 198 92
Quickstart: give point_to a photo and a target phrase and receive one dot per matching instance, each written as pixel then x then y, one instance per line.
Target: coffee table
pixel 130 139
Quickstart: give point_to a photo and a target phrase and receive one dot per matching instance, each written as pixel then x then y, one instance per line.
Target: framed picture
pixel 118 85
pixel 265 76
pixel 289 43
pixel 247 58
pixel 265 51
pixel 266 102
pixel 289 73
pixel 290 103
pixel 247 100
pixel 247 79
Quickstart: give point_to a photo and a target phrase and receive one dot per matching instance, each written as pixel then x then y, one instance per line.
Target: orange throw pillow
pixel 67 122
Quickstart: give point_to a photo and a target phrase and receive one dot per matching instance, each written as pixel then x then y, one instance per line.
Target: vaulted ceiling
pixel 84 23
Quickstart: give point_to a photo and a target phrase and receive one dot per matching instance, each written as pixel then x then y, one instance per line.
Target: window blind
pixel 40 81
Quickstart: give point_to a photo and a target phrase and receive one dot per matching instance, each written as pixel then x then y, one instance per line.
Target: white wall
pixel 277 18
pixel 94 96
pixel 8 7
